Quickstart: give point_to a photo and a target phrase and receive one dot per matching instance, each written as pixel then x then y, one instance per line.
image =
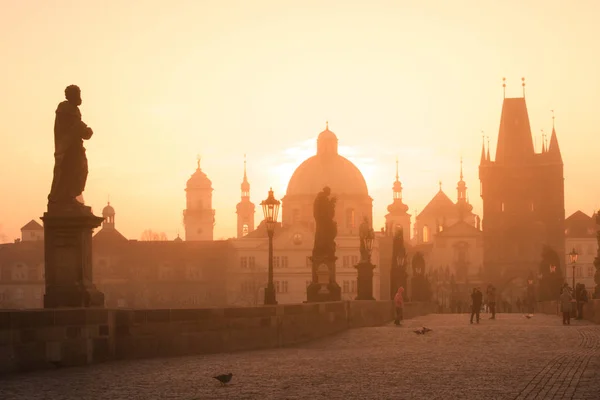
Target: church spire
pixel 553 149
pixel 482 160
pixel 397 188
pixel 245 184
pixel 461 186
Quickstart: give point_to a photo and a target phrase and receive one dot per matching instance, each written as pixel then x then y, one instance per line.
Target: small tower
pixel 108 213
pixel 397 217
pixel 199 216
pixel 462 202
pixel 245 208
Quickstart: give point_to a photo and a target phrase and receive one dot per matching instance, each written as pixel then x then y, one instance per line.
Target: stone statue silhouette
pixel 70 162
pixel 325 226
pixel 365 232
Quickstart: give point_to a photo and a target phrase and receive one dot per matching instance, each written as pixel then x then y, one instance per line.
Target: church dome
pixel 108 211
pixel 199 180
pixel 327 168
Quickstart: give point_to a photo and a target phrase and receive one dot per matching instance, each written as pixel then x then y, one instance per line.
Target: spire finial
pixel 397 176
pixel 440 183
pixel 543 141
pixel 108 200
pixel 504 87
pixel 461 172
pixel 326 125
pixel 552 111
pixel 198 158
pixel 244 165
pixel 523 84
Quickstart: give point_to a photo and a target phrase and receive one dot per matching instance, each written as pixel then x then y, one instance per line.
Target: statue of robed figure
pixel 68 224
pixel 70 162
pixel 323 286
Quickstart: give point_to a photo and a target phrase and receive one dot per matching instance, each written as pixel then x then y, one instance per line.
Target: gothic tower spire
pixel 245 208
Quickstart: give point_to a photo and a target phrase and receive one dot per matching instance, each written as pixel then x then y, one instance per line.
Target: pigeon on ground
pixel 418 332
pixel 425 330
pixel 528 316
pixel 224 378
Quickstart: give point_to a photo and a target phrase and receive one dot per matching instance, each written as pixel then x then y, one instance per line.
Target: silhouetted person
pixel 70 162
pixel 581 297
pixel 399 304
pixel 565 306
pixel 476 299
pixel 491 300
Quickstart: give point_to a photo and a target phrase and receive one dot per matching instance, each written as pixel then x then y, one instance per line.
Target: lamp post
pixel 573 255
pixel 270 208
pixel 364 267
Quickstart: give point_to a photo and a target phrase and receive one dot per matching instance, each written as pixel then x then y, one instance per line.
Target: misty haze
pixel 299 200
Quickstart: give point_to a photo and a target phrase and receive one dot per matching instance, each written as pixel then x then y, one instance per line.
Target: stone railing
pixel 37 339
pixel 591 310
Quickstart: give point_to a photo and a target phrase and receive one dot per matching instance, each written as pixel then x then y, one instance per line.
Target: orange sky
pixel 163 81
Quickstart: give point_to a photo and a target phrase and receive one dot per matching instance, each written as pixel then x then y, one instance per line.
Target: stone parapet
pixel 38 339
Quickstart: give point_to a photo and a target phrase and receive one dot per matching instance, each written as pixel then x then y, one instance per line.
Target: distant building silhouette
pixel 523 197
pixel 32 232
pixel 580 234
pixel 245 208
pixel 199 216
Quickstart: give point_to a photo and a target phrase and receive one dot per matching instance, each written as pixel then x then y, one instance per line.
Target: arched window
pixel 425 234
pixel 244 229
pixel 350 218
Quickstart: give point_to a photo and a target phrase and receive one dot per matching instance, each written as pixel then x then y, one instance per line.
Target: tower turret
pixel 199 216
pixel 108 213
pixel 245 208
pixel 397 216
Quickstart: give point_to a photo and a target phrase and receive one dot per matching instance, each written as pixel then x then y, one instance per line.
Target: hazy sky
pixel 163 81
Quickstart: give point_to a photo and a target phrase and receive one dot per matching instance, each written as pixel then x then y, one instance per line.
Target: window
pixel 353 286
pixel 276 262
pixel 284 262
pixel 590 270
pixel 244 229
pixel 19 272
pixel 308 262
pixel 244 262
pixel 19 294
pixel 297 239
pixel 281 286
pixel 193 272
pixel 425 234
pixel 350 218
pixel 346 261
pixel 346 287
pixel 251 262
pixel 354 261
pixel 165 271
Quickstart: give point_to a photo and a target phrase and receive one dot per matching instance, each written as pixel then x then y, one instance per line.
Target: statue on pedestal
pixel 323 254
pixel 68 224
pixel 364 267
pixel 70 162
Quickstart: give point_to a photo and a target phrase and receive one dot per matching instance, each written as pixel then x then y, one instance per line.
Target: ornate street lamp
pixel 364 267
pixel 270 208
pixel 573 255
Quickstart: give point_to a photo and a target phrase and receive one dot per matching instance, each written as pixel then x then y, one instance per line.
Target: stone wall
pixel 37 339
pixel 591 310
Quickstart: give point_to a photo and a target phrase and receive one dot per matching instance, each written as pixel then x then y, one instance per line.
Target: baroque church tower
pixel 199 216
pixel 523 197
pixel 245 208
pixel 397 216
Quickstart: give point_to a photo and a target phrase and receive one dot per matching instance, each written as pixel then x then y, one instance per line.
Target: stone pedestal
pixel 323 286
pixel 68 258
pixel 364 284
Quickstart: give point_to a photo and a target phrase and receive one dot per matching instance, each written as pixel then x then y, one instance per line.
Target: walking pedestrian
pixel 476 299
pixel 565 305
pixel 399 304
pixel 491 300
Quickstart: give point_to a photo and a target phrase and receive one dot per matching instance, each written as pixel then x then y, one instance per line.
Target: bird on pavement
pixel 425 330
pixel 419 332
pixel 224 379
pixel 528 316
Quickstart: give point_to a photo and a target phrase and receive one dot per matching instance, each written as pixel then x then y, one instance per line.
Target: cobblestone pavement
pixel 508 358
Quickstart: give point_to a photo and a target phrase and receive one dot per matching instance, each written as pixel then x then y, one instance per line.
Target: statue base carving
pixel 364 284
pixel 323 286
pixel 68 257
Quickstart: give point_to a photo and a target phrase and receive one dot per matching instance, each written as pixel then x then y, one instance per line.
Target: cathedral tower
pixel 523 198
pixel 397 216
pixel 245 208
pixel 199 216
